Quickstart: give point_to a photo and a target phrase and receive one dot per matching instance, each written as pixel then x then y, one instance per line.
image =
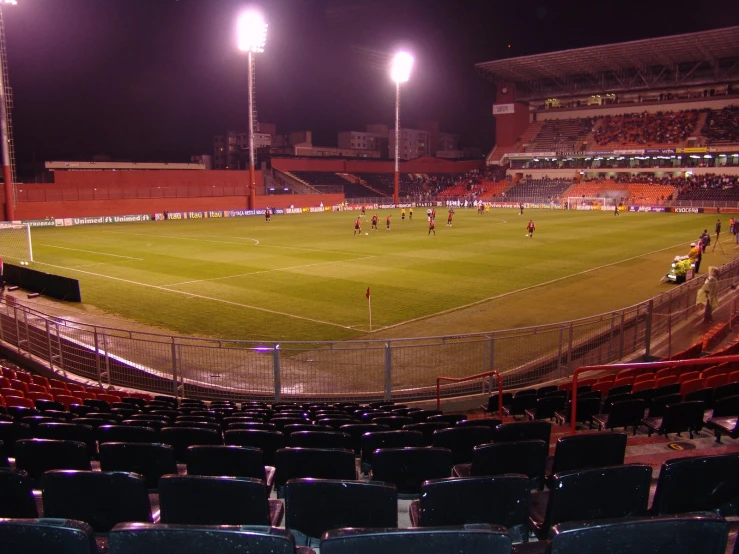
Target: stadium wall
pixel 420 165
pixel 620 109
pixel 510 126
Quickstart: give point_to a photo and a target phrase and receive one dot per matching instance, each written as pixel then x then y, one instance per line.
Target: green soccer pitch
pixel 304 277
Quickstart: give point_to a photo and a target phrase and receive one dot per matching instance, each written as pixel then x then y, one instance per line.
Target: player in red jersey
pixel 530 228
pixel 267 215
pixel 432 226
pixel 433 213
pixel 449 218
pixel 374 222
pixel 387 223
pixel 358 227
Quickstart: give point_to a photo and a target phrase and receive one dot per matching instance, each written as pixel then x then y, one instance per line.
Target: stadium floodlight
pixel 251 36
pixel 5 135
pixel 251 32
pixel 400 72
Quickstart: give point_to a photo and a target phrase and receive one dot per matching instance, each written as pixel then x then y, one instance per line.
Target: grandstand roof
pixel 718 49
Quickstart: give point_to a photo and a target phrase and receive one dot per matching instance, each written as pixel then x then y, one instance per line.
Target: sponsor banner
pixel 158 217
pixel 405 205
pixel 216 214
pixel 500 109
pixel 386 206
pixel 527 155
pixel 305 210
pixel 635 152
pixel 293 211
pixel 237 213
pixel 575 153
pixel 135 218
pixel 39 222
pixel 176 215
pixel 660 209
pixel 658 151
pixel 83 220
pixel 313 210
pixel 692 150
pixel 687 210
pixel 195 215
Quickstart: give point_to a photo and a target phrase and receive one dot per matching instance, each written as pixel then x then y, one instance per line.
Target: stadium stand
pixel 722 127
pixel 561 134
pixel 646 129
pixel 538 189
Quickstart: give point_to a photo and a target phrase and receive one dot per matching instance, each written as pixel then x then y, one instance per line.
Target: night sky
pixel 151 80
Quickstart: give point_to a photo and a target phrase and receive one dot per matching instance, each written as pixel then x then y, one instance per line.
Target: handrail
pixel 471 378
pixel 709 361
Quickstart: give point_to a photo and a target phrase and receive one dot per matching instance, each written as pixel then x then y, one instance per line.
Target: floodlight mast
pixel 4 134
pixel 251 33
pixel 400 73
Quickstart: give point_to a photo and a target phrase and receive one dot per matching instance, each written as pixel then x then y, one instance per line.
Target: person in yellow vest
pixel 402 214
pixel 487 208
pixel 410 214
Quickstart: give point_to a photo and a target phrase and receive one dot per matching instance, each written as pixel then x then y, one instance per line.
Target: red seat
pixel 665 372
pixel 586 382
pixel 74 387
pixel 607 378
pixel 565 386
pixel 689 376
pixel 5 383
pixel 40 396
pixel 2 401
pixel 644 377
pixel 690 386
pixel 67 400
pixel 8 391
pixel 715 381
pixel 23 377
pixel 642 385
pixel 603 387
pixel 87 395
pixel 57 384
pixel 109 397
pixel 39 380
pixel 12 401
pixel 626 373
pixel 669 380
pixel 33 387
pixel 622 382
pixel 19 385
pixel 9 373
pixel 734 377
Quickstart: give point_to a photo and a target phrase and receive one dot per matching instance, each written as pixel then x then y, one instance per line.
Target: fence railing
pixel 392 369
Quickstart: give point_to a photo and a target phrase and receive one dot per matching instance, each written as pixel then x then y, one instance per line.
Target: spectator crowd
pixel 646 128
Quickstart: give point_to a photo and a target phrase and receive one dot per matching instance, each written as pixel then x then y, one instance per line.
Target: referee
pixel 718 228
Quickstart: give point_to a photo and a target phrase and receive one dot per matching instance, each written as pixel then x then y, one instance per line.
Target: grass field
pixel 304 277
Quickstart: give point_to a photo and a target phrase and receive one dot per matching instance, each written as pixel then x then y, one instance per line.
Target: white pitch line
pixel 91 252
pixel 229 242
pixel 267 271
pixel 511 293
pixel 200 296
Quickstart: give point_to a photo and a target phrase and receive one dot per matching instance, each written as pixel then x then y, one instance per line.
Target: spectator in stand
pixel 646 128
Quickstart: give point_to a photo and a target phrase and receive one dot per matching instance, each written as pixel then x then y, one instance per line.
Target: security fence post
pixel 276 368
pixel 388 371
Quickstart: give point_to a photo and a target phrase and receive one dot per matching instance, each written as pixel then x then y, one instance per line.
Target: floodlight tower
pixel 251 33
pixel 400 72
pixel 6 132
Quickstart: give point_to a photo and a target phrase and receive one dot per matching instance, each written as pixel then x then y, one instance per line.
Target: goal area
pixel 590 203
pixel 15 242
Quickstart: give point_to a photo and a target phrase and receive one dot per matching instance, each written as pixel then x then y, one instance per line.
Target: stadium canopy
pixel 693 59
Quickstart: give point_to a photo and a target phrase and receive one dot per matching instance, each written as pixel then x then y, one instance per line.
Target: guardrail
pixel 403 369
pixel 471 378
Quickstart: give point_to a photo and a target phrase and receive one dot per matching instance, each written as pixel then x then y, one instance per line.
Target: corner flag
pixel 369 305
pixel 368 293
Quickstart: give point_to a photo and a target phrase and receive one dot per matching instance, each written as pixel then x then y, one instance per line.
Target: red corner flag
pixel 368 293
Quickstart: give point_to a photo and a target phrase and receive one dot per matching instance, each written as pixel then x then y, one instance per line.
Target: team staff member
pixel 375 219
pixel 387 223
pixel 530 228
pixel 718 228
pixel 431 226
pixel 358 227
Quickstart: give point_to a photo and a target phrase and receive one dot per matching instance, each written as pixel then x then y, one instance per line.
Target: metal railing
pixel 471 378
pixel 391 369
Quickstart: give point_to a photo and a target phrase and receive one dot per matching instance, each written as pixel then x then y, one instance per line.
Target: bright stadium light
pixel 11 2
pixel 251 36
pixel 251 32
pixel 400 72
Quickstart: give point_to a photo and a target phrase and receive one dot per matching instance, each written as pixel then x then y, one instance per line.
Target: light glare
pixel 11 2
pixel 251 32
pixel 401 68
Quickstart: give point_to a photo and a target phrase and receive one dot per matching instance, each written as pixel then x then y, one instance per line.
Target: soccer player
pixel 402 214
pixel 410 214
pixel 433 213
pixel 375 219
pixel 520 207
pixel 362 211
pixel 267 215
pixel 718 228
pixel 449 218
pixel 428 213
pixel 615 209
pixel 530 228
pixel 431 226
pixel 358 227
pixel 387 223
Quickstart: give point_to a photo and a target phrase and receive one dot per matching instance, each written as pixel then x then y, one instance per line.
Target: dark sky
pixel 156 79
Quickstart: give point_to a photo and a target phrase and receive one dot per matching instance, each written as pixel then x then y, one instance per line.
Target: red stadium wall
pixel 146 179
pixel 510 126
pixel 420 165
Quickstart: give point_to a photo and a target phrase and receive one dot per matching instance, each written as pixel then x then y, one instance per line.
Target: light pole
pixel 251 34
pixel 400 72
pixel 4 127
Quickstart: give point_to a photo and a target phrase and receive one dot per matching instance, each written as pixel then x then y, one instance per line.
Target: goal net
pixel 590 203
pixel 15 242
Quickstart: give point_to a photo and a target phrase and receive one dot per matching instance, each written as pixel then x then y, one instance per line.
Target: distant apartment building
pixel 414 143
pixel 206 160
pixel 231 149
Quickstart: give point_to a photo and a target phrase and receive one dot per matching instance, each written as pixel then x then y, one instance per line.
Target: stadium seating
pixel 527 457
pixel 36 536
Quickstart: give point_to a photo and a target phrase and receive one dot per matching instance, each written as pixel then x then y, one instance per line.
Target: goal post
pixel 15 242
pixel 590 203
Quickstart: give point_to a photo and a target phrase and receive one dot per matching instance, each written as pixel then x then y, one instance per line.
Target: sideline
pixel 90 252
pixel 200 296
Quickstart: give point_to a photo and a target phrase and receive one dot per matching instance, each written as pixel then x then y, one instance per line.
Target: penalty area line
pixel 91 252
pixel 525 289
pixel 200 296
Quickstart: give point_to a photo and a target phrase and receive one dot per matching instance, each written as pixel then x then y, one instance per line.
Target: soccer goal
pixel 589 203
pixel 15 242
